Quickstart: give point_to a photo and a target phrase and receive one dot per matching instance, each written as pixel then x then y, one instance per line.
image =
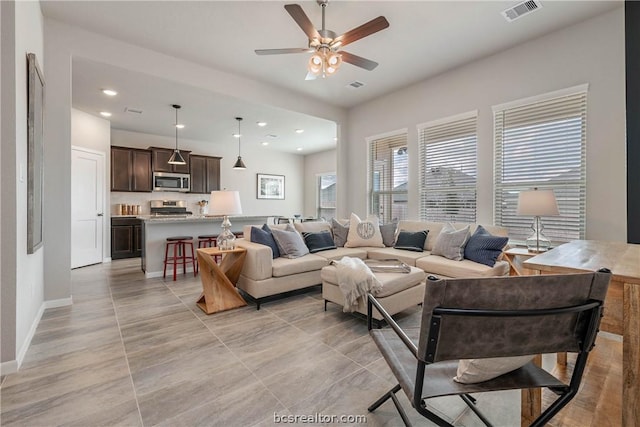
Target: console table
pixel 622 305
pixel 218 281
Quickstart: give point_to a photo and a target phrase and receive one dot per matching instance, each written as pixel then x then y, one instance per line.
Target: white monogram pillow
pixel 364 233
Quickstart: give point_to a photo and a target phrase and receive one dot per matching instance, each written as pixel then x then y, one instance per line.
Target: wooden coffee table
pixel 218 281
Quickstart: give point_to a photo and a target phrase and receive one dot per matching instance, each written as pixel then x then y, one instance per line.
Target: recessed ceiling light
pixel 299 130
pixel 105 114
pixel 335 138
pixel 180 126
pixel 261 124
pixel 299 148
pixel 236 135
pixel 109 92
pixel 265 143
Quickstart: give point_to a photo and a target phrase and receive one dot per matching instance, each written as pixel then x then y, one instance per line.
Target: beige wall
pixel 589 52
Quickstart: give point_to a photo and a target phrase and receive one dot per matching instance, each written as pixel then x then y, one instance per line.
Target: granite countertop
pixel 198 218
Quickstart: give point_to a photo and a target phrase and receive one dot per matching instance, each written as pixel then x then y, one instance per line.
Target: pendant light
pixel 176 158
pixel 239 165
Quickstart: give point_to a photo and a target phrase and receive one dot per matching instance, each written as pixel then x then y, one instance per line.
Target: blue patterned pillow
pixel 411 241
pixel 263 236
pixel 484 248
pixel 320 241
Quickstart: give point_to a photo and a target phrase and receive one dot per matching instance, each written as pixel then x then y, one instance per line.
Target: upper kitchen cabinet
pixel 161 158
pixel 205 174
pixel 130 169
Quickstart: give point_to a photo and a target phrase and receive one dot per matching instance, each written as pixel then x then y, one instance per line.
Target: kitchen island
pixel 156 229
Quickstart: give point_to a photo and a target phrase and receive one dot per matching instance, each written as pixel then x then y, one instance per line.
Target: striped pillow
pixel 484 248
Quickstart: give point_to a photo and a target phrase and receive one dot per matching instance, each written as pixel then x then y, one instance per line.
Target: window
pixel 448 169
pixel 388 177
pixel 541 143
pixel 326 204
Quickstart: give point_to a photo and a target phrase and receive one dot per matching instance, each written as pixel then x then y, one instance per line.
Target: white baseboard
pixel 55 303
pixel 106 259
pixel 10 367
pixel 154 274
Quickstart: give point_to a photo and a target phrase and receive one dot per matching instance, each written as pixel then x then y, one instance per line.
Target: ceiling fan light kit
pixel 325 46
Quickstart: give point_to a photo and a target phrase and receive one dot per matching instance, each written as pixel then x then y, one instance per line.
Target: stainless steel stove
pixel 169 208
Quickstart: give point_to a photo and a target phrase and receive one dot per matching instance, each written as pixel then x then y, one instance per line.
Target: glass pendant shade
pixel 324 62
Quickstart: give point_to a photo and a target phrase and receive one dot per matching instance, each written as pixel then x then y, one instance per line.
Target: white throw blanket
pixel 355 280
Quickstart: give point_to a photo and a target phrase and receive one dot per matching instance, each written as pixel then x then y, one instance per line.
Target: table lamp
pixel 537 203
pixel 225 203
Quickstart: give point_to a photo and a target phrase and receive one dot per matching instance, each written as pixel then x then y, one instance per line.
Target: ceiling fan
pixel 325 44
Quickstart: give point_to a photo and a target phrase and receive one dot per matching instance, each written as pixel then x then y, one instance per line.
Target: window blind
pixel 542 144
pixel 448 169
pixel 388 177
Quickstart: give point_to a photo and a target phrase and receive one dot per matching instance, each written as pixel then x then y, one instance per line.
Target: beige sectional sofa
pixel 262 276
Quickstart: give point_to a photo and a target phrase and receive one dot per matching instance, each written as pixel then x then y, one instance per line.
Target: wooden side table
pixel 218 281
pixel 515 267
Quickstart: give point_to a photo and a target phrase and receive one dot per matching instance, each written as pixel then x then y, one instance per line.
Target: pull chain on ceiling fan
pixel 324 44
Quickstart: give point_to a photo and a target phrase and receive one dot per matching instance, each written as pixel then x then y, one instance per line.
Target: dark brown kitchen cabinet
pixel 126 238
pixel 130 169
pixel 161 158
pixel 205 174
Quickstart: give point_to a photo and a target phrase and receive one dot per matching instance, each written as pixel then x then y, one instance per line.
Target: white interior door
pixel 87 207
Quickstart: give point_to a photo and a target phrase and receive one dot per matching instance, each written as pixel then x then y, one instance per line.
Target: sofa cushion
pixel 364 232
pixel 392 283
pixel 388 232
pixel 432 227
pixel 290 243
pixel 340 232
pixel 287 266
pixel 451 242
pixel 312 226
pixel 411 241
pixel 408 257
pixel 442 266
pixel 472 371
pixel 338 253
pixel 484 247
pixel 263 236
pixel 320 241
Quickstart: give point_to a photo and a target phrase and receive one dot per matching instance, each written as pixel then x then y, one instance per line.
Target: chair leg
pixel 166 253
pixel 325 305
pixel 391 394
pixel 471 403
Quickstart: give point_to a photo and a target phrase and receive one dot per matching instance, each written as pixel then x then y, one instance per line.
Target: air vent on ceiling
pixel 356 84
pixel 521 9
pixel 132 110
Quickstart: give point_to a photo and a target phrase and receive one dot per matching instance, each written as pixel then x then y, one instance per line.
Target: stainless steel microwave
pixel 165 181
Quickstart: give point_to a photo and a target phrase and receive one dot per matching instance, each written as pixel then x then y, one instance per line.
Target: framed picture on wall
pixel 270 186
pixel 35 130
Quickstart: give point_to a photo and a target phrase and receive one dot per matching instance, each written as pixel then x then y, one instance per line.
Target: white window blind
pixel 388 177
pixel 448 169
pixel 542 144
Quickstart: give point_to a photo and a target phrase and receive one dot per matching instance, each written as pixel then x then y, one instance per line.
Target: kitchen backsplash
pixel 142 199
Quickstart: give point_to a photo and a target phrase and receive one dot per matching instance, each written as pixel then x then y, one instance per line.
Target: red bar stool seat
pixel 179 244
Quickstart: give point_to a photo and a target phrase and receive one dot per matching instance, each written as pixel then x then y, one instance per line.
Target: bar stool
pixel 179 243
pixel 209 241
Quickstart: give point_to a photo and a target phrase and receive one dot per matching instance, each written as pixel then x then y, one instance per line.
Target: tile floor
pixel 138 352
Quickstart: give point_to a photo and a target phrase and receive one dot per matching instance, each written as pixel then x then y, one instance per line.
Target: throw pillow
pixel 364 233
pixel 388 232
pixel 484 248
pixel 264 236
pixel 472 371
pixel 340 232
pixel 320 241
pixel 290 243
pixel 411 241
pixel 450 242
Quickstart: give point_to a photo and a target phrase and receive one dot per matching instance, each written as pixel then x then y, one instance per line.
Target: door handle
pixel 100 214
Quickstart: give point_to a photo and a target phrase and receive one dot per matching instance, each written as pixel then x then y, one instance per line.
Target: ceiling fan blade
pixel 301 18
pixel 281 51
pixel 358 61
pixel 310 76
pixel 364 30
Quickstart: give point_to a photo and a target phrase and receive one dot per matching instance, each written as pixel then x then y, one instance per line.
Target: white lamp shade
pixel 224 202
pixel 537 203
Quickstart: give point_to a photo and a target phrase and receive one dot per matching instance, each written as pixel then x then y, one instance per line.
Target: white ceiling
pixel 424 38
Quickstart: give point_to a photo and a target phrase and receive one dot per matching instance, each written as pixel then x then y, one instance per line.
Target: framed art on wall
pixel 35 147
pixel 270 186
